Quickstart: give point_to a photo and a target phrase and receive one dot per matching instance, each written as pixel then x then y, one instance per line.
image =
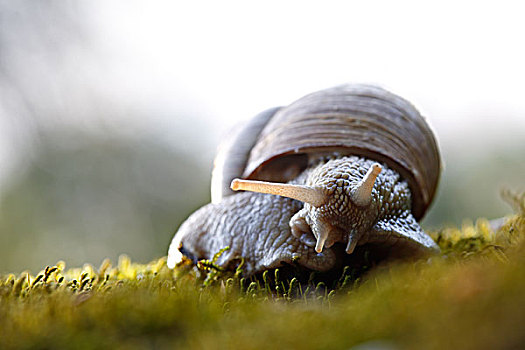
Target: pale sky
pixel 232 59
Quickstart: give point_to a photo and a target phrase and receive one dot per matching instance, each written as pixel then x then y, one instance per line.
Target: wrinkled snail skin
pixel 255 227
pixel 337 169
pixel 267 231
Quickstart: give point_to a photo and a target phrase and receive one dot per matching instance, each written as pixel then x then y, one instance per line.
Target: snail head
pixel 337 196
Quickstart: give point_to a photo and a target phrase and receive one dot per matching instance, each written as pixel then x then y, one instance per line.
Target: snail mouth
pixel 331 237
pixel 331 241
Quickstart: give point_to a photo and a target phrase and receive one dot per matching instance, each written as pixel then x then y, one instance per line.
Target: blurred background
pixel 110 111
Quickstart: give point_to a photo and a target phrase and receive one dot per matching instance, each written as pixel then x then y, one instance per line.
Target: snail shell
pixel 361 120
pixel 385 149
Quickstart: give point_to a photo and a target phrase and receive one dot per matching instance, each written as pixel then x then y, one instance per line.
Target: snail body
pixel 340 168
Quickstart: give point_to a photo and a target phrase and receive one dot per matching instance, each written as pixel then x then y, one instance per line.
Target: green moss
pixel 470 296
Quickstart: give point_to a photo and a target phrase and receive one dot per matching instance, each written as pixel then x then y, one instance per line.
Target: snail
pixel 343 168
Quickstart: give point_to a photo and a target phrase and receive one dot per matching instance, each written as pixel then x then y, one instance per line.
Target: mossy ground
pixel 471 296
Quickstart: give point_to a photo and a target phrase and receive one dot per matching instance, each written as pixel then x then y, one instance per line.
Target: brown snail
pixel 341 168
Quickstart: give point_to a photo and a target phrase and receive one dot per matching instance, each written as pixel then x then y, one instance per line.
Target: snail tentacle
pixel 302 193
pixel 362 195
pixel 352 243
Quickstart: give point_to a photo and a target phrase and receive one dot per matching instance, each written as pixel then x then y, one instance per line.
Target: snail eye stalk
pixel 302 193
pixel 362 195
